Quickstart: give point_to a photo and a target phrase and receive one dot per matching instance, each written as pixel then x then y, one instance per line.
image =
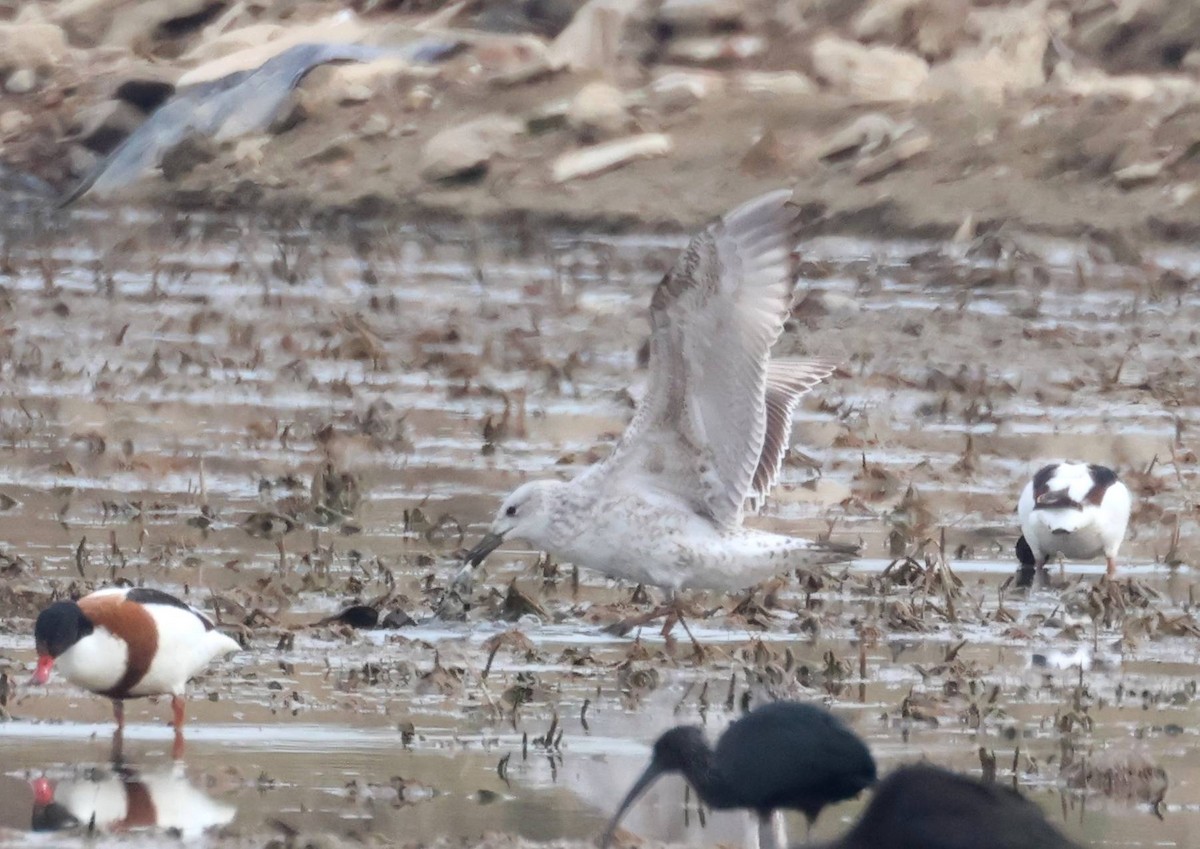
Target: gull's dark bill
pixel 483 548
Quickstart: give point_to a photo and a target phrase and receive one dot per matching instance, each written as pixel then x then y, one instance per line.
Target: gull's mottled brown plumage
pixel 709 436
pixel 787 381
pixel 717 411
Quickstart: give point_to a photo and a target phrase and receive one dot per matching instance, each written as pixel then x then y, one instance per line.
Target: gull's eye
pixel 511 511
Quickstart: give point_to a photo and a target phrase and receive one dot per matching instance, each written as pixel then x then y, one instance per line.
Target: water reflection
pixel 123 798
pixel 18 797
pixel 49 815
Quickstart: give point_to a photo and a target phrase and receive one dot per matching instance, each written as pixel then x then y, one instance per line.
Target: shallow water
pixel 162 381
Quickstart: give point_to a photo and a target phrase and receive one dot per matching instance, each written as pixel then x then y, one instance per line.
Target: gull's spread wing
pixel 787 380
pixel 713 425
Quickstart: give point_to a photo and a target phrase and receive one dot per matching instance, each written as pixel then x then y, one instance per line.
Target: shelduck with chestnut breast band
pixel 125 643
pixel 1078 510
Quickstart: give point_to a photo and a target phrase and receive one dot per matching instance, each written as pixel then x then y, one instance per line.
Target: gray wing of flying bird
pixel 242 102
pixel 14 183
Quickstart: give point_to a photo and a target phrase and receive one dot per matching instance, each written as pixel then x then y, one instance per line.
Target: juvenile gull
pixel 665 508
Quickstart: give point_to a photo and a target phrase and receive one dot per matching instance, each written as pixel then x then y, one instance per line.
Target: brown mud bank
pixel 985 172
pixel 890 117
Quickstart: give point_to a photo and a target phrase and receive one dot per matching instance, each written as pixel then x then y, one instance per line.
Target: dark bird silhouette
pixel 926 807
pixel 782 755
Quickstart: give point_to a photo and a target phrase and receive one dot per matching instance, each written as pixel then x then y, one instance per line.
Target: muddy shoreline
pixel 175 384
pixel 890 118
pixel 939 195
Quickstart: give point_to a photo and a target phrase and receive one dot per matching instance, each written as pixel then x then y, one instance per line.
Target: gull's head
pixel 526 514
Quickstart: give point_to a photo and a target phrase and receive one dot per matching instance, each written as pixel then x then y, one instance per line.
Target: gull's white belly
pixel 651 543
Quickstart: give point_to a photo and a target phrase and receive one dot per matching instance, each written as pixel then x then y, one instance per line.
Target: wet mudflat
pixel 279 421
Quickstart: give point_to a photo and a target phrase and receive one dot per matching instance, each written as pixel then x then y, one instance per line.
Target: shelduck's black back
pixel 926 807
pixel 792 755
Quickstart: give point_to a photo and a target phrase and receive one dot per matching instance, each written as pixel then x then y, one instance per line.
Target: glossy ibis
pixel 782 755
pixel 927 807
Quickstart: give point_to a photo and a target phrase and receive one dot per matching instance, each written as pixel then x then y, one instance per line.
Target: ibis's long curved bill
pixel 650 776
pixel 483 548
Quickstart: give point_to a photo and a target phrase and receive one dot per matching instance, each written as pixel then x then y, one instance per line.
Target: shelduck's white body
pixel 128 642
pixel 184 639
pixel 1077 510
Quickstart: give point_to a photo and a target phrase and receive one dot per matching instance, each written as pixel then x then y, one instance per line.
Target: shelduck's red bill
pixel 45 666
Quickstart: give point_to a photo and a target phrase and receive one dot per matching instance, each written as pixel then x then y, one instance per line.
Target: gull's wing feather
pixel 787 380
pixel 699 431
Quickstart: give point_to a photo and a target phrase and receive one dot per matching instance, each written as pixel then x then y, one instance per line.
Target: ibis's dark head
pixel 358 616
pixel 682 749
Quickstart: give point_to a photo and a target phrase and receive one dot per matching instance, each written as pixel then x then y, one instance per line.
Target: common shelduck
pixel 125 643
pixel 1078 510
